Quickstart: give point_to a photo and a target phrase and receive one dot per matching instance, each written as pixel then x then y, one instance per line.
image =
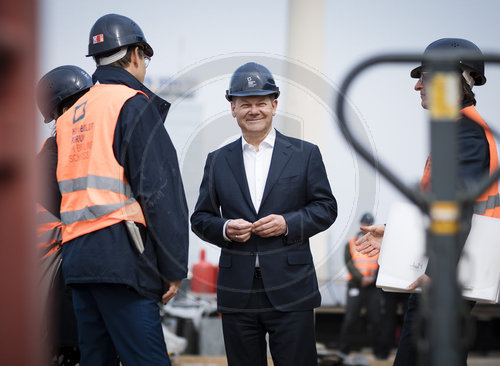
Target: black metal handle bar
pixel 416 196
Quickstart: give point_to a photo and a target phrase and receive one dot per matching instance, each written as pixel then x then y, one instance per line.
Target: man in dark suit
pixel 261 198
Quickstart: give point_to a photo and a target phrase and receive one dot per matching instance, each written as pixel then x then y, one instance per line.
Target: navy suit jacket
pixel 297 187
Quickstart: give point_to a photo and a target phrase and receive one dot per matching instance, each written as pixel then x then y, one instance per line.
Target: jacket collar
pixel 281 154
pixel 117 75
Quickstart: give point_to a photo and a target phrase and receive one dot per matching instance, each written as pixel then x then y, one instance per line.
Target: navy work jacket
pixel 143 147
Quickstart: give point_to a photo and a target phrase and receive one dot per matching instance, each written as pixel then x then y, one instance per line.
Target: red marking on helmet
pixel 98 38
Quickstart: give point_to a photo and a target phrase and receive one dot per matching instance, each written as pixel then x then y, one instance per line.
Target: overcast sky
pixel 185 34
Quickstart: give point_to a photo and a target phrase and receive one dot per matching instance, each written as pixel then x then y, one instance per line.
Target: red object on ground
pixel 204 276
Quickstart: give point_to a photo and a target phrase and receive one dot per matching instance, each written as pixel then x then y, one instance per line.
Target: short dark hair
pixel 68 102
pixel 468 95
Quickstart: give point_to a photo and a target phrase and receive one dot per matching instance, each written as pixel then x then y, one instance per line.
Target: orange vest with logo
pixel 49 232
pixel 95 192
pixel 366 265
pixel 488 204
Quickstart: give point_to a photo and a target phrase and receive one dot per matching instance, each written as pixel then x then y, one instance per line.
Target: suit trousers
pixel 114 319
pixel 292 339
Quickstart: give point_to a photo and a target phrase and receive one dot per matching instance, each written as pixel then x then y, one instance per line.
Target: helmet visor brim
pixel 250 93
pixel 148 50
pixel 478 78
pixel 416 72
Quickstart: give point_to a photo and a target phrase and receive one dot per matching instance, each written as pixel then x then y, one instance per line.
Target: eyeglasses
pixel 147 59
pixel 424 76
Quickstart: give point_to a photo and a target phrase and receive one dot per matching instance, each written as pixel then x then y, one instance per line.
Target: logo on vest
pixel 79 112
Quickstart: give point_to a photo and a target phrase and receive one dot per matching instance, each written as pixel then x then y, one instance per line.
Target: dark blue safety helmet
pixel 457 46
pixel 57 86
pixel 367 218
pixel 252 79
pixel 112 32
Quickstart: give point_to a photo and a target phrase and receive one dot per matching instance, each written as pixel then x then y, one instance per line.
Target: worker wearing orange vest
pixel 49 236
pixel 95 191
pixel 123 209
pixel 49 240
pixel 361 293
pixel 488 204
pixel 477 157
pixel 56 92
pixel 363 265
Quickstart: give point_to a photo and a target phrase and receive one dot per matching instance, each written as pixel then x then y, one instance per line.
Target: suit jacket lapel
pixel 281 155
pixel 235 160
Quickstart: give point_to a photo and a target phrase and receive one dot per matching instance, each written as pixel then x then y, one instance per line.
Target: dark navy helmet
pixel 57 86
pixel 367 218
pixel 251 79
pixel 458 46
pixel 112 32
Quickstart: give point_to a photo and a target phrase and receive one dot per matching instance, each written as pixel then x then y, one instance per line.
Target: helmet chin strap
pixel 468 78
pixel 102 61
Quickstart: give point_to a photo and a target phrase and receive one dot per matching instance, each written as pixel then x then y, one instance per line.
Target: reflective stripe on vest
pixel 366 265
pixel 94 181
pixel 49 234
pixel 95 192
pixel 488 204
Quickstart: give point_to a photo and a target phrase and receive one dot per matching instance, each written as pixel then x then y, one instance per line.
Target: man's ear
pixel 135 57
pixel 233 106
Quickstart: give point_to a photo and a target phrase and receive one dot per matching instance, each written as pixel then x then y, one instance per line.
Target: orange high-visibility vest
pixel 95 192
pixel 488 204
pixel 366 265
pixel 49 235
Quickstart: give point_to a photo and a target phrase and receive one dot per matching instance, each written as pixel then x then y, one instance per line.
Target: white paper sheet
pixel 479 267
pixel 402 254
pixel 402 257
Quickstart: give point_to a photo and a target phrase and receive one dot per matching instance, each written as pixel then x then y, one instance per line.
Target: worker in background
pixel 393 304
pixel 123 209
pixel 361 293
pixel 261 198
pixel 477 157
pixel 391 301
pixel 56 92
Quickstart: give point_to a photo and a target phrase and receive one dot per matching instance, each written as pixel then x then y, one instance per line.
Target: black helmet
pixel 58 85
pixel 461 46
pixel 367 218
pixel 112 32
pixel 251 79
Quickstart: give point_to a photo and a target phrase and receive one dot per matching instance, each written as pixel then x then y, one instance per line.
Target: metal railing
pixel 448 206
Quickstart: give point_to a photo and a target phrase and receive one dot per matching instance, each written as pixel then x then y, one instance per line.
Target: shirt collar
pixel 268 141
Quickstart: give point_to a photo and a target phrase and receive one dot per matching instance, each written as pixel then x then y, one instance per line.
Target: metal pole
pixel 445 204
pixel 442 306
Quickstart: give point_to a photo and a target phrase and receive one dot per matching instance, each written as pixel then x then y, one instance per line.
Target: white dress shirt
pixel 257 163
